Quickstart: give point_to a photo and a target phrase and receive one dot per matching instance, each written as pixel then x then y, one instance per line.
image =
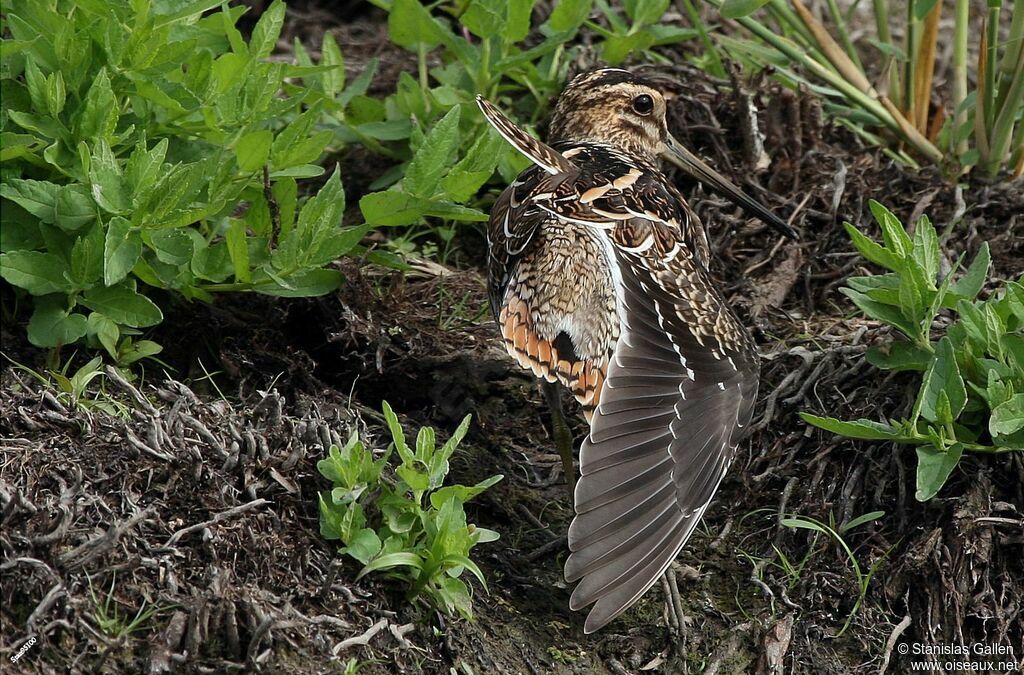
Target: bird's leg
pixel 563 437
pixel 677 619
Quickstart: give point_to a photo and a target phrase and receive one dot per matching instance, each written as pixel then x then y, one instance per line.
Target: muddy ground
pixel 194 504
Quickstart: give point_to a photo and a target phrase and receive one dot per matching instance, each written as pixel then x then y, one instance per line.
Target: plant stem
pixel 787 17
pixel 1002 130
pixel 881 11
pixel 717 69
pixel 958 143
pixel 926 67
pixel 882 21
pixel 1011 52
pixel 910 47
pixel 844 34
pixel 991 65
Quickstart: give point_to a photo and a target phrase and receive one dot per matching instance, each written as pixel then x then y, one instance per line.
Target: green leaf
pixel 15 146
pixel 617 47
pixel 131 352
pixel 899 356
pixel 324 211
pixel 871 250
pixel 860 520
pixel 124 305
pixel 933 468
pixel 253 149
pixel 568 15
pixel 972 320
pixel 454 595
pixel 267 30
pixel 483 535
pixel 108 186
pixel 881 312
pixel 333 81
pixel 106 331
pixel 100 112
pixel 143 167
pixel 174 246
pixel 463 561
pixel 53 325
pixel 942 377
pixel 397 435
pixel 56 94
pixel 238 250
pixel 433 156
pixel 67 206
pixel 897 241
pixel 87 258
pixel 394 207
pixel 410 25
pixel 862 428
pixel 943 409
pixel 911 295
pixel 302 284
pixel 331 519
pixel 971 283
pixel 416 480
pixel 645 11
pixel 121 250
pixel 517 23
pixel 926 248
pixel 401 559
pixel 800 523
pixel 35 82
pixel 297 144
pixel 1008 417
pixel 38 273
pixel 737 9
pixel 363 546
pixel 484 18
pixel 460 492
pixel 19 229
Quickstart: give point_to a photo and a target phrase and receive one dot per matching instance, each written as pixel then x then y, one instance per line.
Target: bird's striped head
pixel 612 106
pixel 616 107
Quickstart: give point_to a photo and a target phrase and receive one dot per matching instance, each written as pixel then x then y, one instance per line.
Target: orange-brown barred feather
pixel 583 378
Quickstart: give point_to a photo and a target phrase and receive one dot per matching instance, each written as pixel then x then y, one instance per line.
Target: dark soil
pixel 194 503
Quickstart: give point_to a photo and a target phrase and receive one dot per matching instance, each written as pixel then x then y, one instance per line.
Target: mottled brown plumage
pixel 598 275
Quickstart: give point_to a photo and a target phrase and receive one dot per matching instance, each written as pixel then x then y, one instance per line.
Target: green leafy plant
pixel 147 146
pixel 431 124
pixel 412 528
pixel 971 396
pixel 638 32
pixel 835 533
pixel 983 128
pixel 73 389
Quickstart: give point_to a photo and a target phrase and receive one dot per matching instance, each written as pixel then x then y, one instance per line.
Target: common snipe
pixel 598 277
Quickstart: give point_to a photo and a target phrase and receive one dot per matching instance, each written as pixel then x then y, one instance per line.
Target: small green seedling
pixel 412 529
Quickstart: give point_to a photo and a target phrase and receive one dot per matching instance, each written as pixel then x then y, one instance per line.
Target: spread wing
pixel 679 391
pixel 680 387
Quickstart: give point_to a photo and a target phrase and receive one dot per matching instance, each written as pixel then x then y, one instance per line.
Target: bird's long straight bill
pixel 693 165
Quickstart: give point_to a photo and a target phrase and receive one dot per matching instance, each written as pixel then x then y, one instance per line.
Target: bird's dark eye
pixel 643 104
